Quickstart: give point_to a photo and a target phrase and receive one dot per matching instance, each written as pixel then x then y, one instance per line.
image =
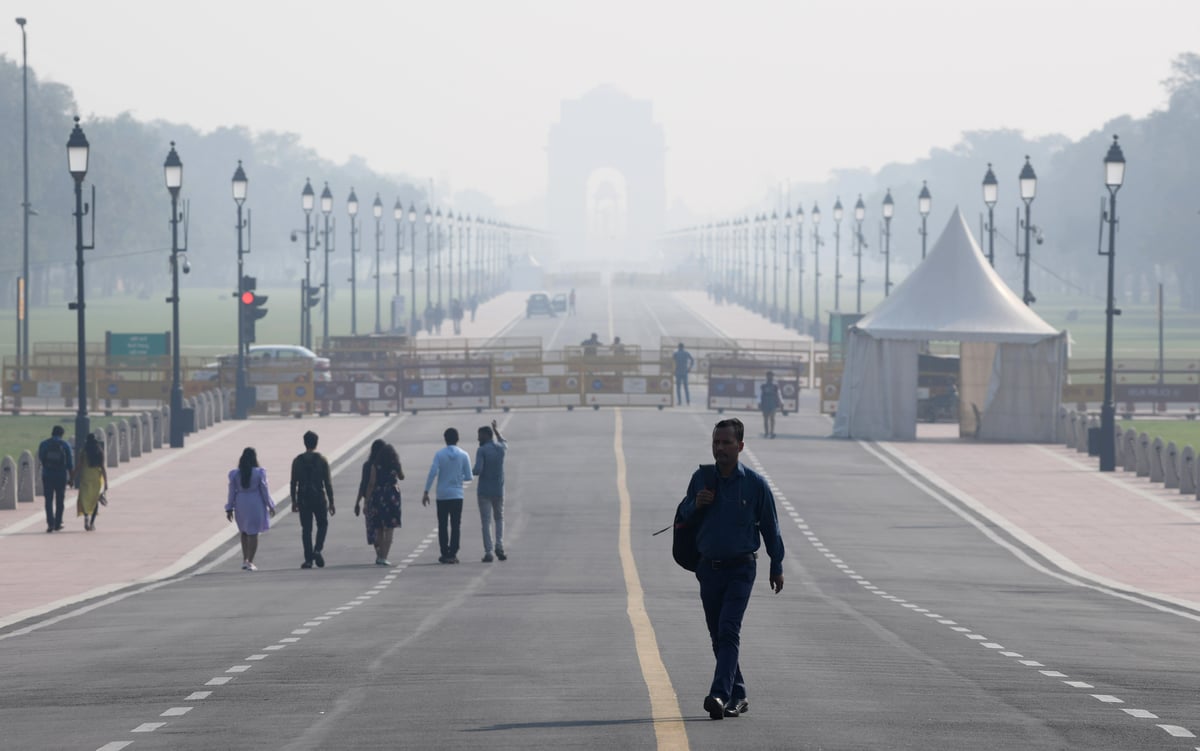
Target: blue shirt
pixel 489 465
pixel 743 509
pixel 683 361
pixel 452 467
pixel 69 463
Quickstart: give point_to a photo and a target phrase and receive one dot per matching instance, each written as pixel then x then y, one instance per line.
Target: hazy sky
pixel 748 93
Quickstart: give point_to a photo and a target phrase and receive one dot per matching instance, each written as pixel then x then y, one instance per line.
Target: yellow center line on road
pixel 664 704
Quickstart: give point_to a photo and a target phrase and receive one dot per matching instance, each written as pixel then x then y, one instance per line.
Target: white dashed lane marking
pixel 1175 731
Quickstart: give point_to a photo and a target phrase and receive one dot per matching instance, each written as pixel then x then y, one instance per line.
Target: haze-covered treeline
pixel 133 206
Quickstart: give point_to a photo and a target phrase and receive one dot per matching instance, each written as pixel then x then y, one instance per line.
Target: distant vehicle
pixel 263 358
pixel 559 303
pixel 539 304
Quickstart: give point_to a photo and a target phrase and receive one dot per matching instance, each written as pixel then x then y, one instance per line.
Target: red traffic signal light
pixel 247 298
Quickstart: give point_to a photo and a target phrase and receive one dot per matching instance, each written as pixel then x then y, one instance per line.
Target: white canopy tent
pixel 1012 363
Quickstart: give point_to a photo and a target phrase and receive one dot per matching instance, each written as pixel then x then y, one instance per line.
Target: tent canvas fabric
pixel 1012 362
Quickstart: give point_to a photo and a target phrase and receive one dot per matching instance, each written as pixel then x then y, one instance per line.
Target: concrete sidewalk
pixel 1113 529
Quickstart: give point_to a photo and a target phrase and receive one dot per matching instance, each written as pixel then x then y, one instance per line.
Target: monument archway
pixel 606 192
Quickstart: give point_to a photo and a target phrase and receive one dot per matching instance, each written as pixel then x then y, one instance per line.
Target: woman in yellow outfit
pixel 91 479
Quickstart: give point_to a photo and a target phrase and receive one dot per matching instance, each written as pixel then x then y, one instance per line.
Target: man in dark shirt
pixel 489 467
pixel 731 506
pixel 311 489
pixel 683 366
pixel 54 454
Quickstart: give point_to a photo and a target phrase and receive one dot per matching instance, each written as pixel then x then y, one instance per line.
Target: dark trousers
pixel 726 593
pixel 55 489
pixel 449 522
pixel 308 512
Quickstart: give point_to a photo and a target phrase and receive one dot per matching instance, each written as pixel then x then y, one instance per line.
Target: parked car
pixel 261 359
pixel 559 303
pixel 539 304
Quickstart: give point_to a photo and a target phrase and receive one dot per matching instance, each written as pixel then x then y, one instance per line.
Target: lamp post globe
pixel 77 164
pixel 173 176
pixel 1114 177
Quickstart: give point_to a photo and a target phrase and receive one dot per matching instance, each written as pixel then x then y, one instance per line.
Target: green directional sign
pixel 137 345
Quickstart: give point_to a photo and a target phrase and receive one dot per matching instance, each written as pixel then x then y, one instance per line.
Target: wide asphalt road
pixel 905 621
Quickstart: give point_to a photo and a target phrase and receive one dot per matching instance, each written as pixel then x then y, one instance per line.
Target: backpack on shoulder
pixel 683 539
pixel 55 458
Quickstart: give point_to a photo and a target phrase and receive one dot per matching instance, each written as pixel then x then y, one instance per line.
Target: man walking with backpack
pixel 312 496
pixel 730 505
pixel 54 454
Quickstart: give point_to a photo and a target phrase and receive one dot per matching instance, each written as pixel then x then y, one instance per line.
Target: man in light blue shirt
pixel 489 465
pixel 451 467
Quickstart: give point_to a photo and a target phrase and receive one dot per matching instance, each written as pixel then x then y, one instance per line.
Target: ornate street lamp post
pixel 173 172
pixel 307 199
pixel 412 236
pixel 27 211
pixel 838 211
pixel 428 259
pixel 1114 176
pixel 398 216
pixel 860 212
pixel 800 269
pixel 326 210
pixel 787 268
pixel 77 165
pixel 924 206
pixel 352 210
pixel 889 209
pixel 377 212
pixel 991 193
pixel 1028 182
pixel 240 188
pixel 817 243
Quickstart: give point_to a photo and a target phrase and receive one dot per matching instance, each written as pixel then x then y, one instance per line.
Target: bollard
pixel 26 492
pixel 156 428
pixel 112 446
pixel 1129 441
pixel 1072 430
pixel 147 439
pixel 207 400
pixel 1171 466
pixel 1142 448
pixel 1081 441
pixel 1119 446
pixel 1158 457
pixel 218 406
pixel 1187 470
pixel 122 441
pixel 8 483
pixel 135 436
pixel 1064 426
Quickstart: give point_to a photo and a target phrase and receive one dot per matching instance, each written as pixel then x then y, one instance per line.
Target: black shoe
pixel 737 707
pixel 319 559
pixel 453 559
pixel 715 707
pixel 49 528
pixel 500 554
pixel 443 559
pixel 487 558
pixel 58 527
pixel 306 564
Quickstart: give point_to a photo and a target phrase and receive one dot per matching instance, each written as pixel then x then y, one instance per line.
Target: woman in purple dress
pixel 250 504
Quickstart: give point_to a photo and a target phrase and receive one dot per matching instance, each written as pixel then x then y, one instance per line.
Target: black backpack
pixel 683 541
pixel 54 458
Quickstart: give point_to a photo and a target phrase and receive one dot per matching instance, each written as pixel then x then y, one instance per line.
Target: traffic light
pixel 314 296
pixel 250 308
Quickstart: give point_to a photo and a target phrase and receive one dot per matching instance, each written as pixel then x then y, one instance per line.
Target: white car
pixel 262 358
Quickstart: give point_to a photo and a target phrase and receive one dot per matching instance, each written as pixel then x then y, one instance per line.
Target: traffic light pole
pixel 241 407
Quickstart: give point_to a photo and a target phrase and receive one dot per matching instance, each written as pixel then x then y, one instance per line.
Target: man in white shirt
pixel 451 468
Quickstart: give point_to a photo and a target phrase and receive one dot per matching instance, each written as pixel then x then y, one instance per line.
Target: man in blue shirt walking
pixel 683 365
pixel 451 467
pixel 731 506
pixel 54 454
pixel 489 465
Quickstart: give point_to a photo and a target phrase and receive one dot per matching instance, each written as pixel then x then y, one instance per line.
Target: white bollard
pixel 1157 458
pixel 1129 441
pixel 8 483
pixel 1171 466
pixel 26 486
pixel 147 429
pixel 112 445
pixel 122 440
pixel 135 436
pixel 1187 470
pixel 1142 447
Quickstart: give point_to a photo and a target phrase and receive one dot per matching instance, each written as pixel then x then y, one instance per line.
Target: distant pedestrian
pixel 456 315
pixel 474 304
pixel 91 479
pixel 571 302
pixel 489 467
pixel 768 402
pixel 618 348
pixel 250 504
pixel 451 468
pixel 312 496
pixel 381 512
pixel 591 345
pixel 54 454
pixel 731 506
pixel 684 362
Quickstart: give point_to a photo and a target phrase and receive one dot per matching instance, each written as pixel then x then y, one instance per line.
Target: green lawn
pixel 1182 432
pixel 24 432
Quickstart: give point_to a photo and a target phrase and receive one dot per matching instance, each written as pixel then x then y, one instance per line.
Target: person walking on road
pixel 451 467
pixel 92 480
pixel 684 362
pixel 730 506
pixel 489 466
pixel 312 496
pixel 249 504
pixel 54 454
pixel 768 402
pixel 571 302
pixel 382 496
